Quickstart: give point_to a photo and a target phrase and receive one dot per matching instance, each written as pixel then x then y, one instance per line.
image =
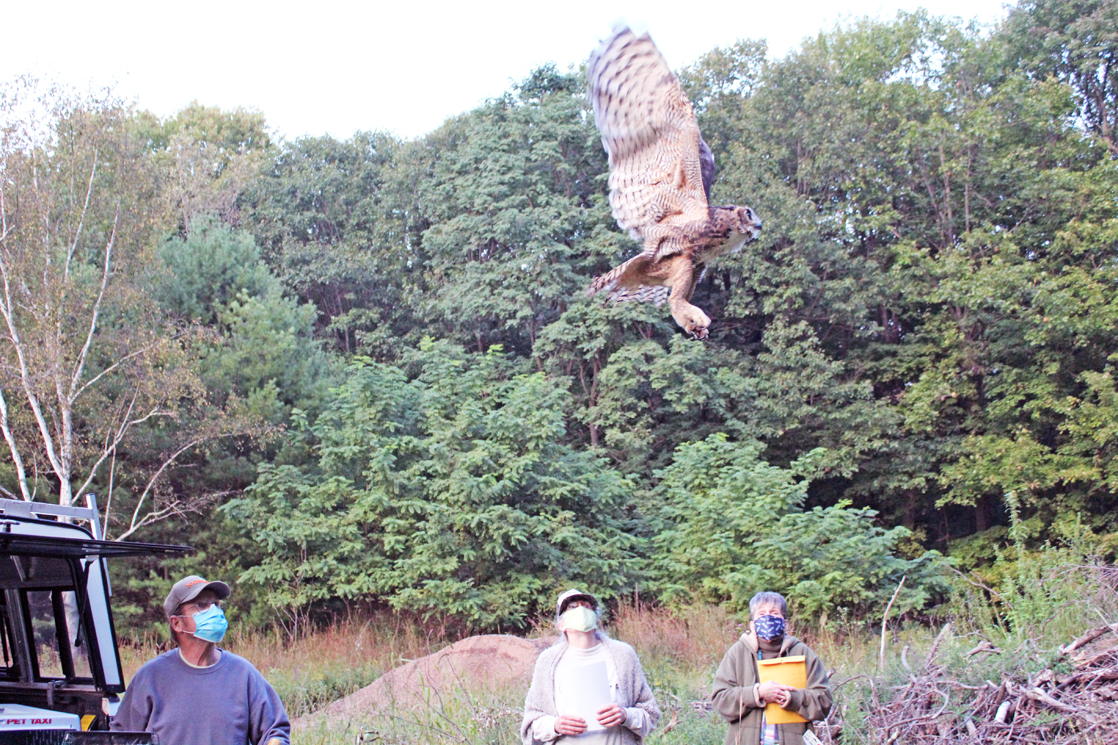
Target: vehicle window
pixel 9 669
pixel 79 646
pixel 46 633
pixel 54 619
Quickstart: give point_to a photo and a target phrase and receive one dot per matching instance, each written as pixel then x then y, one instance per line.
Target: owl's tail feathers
pixel 604 283
pixel 627 282
pixel 621 276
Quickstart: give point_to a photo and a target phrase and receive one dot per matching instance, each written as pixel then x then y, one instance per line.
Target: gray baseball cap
pixel 188 588
pixel 565 599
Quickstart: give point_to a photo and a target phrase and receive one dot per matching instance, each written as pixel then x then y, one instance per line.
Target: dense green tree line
pixel 366 372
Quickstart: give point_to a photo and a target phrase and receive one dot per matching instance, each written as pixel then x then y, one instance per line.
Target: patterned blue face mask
pixel 769 627
pixel 210 624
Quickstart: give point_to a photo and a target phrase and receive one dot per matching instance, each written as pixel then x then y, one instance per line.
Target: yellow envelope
pixel 790 671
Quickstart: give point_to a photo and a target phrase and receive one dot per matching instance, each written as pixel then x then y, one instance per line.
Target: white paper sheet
pixel 592 694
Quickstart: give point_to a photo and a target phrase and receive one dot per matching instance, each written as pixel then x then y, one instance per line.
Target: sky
pixel 328 67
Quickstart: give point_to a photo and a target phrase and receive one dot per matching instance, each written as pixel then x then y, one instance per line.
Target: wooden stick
pixel 1036 694
pixel 983 646
pixel 884 619
pixel 1087 638
pixel 935 645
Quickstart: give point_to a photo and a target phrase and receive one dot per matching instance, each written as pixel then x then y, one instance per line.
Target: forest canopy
pixel 365 372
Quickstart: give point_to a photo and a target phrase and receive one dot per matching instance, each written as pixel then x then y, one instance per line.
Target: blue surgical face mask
pixel 210 624
pixel 769 627
pixel 580 618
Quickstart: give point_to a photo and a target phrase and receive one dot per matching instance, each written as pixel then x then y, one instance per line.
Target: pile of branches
pixel 1077 705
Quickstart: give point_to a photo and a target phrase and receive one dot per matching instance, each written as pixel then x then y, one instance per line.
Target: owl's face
pixel 748 223
pixel 730 228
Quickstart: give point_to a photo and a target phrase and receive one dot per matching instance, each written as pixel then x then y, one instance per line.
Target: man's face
pixel 183 622
pixel 766 609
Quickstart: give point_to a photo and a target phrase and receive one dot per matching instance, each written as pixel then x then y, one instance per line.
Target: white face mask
pixel 580 619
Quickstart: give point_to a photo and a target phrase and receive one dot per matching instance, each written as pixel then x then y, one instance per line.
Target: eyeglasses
pixel 201 605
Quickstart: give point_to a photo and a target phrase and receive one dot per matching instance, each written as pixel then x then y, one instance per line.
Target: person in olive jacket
pixel 741 698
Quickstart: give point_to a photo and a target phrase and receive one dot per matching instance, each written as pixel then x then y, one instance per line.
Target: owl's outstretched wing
pixel 657 158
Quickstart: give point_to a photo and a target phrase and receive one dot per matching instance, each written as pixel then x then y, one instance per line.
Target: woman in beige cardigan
pixel 584 660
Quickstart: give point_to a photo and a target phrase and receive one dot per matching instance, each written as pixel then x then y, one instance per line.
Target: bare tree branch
pixel 21 472
pixel 138 522
pixel 116 365
pixel 81 221
pixel 95 312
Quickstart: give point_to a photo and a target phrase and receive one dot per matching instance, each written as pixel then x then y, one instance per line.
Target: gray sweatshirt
pixel 228 703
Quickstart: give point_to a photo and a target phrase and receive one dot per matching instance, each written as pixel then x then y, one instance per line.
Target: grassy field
pixel 1048 604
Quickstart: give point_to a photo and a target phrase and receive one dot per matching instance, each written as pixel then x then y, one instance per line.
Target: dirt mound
pixel 476 664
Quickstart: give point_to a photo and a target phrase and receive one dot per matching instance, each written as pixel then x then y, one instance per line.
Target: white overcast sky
pixel 327 67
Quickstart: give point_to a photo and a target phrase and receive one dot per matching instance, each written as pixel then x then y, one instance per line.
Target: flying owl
pixel 659 180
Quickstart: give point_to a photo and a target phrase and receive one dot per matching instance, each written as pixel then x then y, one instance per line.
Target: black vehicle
pixel 60 672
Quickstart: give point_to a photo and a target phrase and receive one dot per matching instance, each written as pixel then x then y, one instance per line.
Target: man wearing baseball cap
pixel 586 685
pixel 198 693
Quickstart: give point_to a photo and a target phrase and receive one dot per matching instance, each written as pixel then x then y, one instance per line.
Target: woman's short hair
pixel 768 598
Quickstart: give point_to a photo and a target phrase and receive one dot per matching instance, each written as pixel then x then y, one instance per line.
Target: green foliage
pixel 1041 597
pixel 1076 43
pixel 337 221
pixel 208 157
pixel 650 399
pixel 733 526
pixel 208 269
pixel 718 497
pixel 838 559
pixel 254 352
pixel 264 348
pixel 514 202
pixel 445 491
pixel 91 365
pixel 718 86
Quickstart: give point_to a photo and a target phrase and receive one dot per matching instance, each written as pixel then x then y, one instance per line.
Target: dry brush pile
pixel 1073 700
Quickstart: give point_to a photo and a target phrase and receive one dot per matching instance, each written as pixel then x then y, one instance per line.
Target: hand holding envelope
pixel 787 674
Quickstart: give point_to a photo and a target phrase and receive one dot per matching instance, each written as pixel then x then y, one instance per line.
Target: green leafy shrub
pixel 446 492
pixel 839 558
pixel 733 525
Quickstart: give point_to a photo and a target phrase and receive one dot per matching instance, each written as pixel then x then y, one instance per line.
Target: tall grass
pixel 451 715
pixel 680 649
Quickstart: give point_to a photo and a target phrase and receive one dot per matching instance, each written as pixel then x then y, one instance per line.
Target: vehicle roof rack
pixel 69 548
pixel 77 548
pixel 33 510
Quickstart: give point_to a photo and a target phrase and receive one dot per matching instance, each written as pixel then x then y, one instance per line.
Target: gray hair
pixel 768 598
